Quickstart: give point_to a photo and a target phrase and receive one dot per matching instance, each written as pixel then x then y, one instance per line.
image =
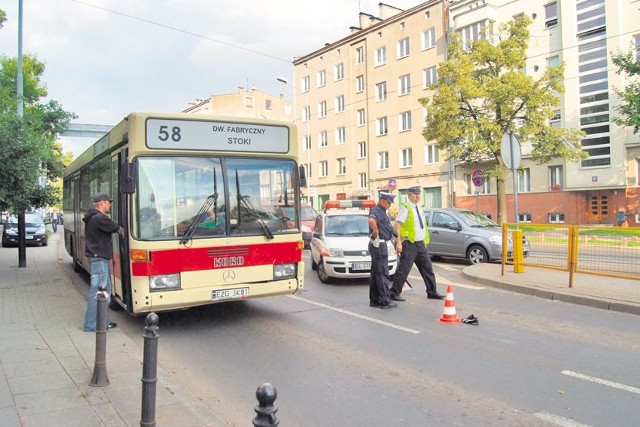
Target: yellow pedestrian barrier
pixel 518 256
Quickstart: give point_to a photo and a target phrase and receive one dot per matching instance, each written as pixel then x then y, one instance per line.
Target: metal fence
pixel 600 250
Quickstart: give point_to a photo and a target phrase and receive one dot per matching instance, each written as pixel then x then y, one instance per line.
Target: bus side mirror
pixel 128 175
pixel 303 176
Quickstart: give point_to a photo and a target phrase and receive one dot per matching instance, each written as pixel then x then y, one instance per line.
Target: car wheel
pixel 322 273
pixel 45 243
pixel 314 265
pixel 477 255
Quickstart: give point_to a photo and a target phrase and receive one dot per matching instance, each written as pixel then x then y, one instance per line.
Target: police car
pixel 340 241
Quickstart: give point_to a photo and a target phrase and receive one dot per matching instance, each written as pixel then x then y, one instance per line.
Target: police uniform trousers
pixel 414 253
pixel 380 280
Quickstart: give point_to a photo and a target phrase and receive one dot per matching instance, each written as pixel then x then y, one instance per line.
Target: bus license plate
pixel 365 265
pixel 229 294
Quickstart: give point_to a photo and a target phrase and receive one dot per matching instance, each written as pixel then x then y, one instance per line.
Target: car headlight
pixel 164 282
pixel 12 231
pixel 41 230
pixel 496 240
pixel 336 252
pixel 284 271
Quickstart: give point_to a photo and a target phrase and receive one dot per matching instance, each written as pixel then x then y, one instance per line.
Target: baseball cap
pixel 100 197
pixel 415 190
pixel 387 196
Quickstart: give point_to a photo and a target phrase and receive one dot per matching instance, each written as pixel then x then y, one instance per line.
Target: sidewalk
pixel 47 360
pixel 608 293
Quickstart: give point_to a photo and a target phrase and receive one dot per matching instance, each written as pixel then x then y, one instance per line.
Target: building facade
pixel 360 121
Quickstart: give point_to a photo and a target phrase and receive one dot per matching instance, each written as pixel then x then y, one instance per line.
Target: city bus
pixel 196 196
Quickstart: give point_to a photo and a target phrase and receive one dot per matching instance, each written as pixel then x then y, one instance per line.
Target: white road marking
pixel 447 267
pixel 443 281
pixel 359 316
pixel 561 421
pixel 603 382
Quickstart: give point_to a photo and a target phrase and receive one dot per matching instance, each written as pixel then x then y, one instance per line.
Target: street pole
pixel 22 242
pixel 513 173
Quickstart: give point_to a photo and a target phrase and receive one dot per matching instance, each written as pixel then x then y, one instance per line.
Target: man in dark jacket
pixel 98 230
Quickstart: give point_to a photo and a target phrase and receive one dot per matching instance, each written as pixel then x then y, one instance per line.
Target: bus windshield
pixel 212 196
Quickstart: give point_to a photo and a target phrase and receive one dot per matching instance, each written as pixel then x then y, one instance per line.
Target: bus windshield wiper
pixel 254 215
pixel 206 206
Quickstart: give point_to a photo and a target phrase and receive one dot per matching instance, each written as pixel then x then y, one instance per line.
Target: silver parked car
pixel 461 233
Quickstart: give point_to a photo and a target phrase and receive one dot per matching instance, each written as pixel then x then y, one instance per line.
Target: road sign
pixel 510 150
pixel 477 178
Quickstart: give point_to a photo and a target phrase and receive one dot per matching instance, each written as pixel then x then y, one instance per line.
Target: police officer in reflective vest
pixel 411 245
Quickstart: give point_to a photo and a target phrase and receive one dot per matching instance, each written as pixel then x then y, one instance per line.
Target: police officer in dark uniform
pixel 381 232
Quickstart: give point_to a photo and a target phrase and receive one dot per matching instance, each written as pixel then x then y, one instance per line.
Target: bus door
pixel 120 278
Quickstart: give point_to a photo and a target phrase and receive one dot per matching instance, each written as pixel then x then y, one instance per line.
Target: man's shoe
pixel 397 298
pixel 435 296
pixel 374 304
pixel 112 325
pixel 470 320
pixel 390 304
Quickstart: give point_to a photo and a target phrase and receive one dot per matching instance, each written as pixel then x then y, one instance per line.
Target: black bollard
pixel 265 409
pixel 99 377
pixel 150 371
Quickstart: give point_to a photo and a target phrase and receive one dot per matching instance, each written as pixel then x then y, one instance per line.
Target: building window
pixel 322 109
pixel 404 84
pixel 553 61
pixel 322 139
pixel 341 135
pixel 382 127
pixel 307 142
pixel 472 33
pixel 340 104
pixel 404 121
pixel 338 72
pixel 307 170
pixel 324 168
pixel 524 217
pixel 431 154
pixel 551 15
pixel 342 166
pixel 305 84
pixel 406 157
pixel 380 57
pixel 362 150
pixel 556 218
pixel 403 48
pixel 429 38
pixel 381 91
pixel 322 78
pixel 362 180
pixel 430 76
pixel 359 55
pixel 359 84
pixel 362 118
pixel 555 178
pixel 306 113
pixel 524 180
pixel 556 120
pixel 383 160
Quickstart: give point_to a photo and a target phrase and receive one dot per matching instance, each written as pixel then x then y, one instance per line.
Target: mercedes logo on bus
pixel 229 275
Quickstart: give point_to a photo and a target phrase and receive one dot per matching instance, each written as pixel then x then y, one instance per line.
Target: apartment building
pixel 360 121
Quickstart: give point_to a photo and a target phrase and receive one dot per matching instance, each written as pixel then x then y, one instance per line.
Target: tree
pixel 29 154
pixel 629 108
pixel 482 93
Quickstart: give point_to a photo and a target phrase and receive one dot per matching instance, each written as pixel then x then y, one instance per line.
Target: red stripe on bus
pixel 173 261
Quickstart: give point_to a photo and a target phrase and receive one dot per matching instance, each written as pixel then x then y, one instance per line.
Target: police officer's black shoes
pixel 435 296
pixel 374 304
pixel 390 304
pixel 397 298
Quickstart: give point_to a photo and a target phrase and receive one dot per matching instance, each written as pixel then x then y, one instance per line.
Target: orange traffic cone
pixel 449 315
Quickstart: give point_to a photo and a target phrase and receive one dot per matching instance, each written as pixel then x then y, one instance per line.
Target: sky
pixel 107 58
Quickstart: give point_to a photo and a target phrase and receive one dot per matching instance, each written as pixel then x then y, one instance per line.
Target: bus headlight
pixel 284 271
pixel 165 282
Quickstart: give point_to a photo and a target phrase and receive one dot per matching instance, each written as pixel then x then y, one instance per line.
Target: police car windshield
pixel 347 225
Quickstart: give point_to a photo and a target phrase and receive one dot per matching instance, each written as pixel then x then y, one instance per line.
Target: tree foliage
pixel 30 156
pixel 482 93
pixel 629 107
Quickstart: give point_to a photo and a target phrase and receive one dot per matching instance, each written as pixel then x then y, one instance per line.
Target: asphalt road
pixel 337 362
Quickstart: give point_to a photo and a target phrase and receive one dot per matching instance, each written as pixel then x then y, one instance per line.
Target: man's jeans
pixel 99 275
